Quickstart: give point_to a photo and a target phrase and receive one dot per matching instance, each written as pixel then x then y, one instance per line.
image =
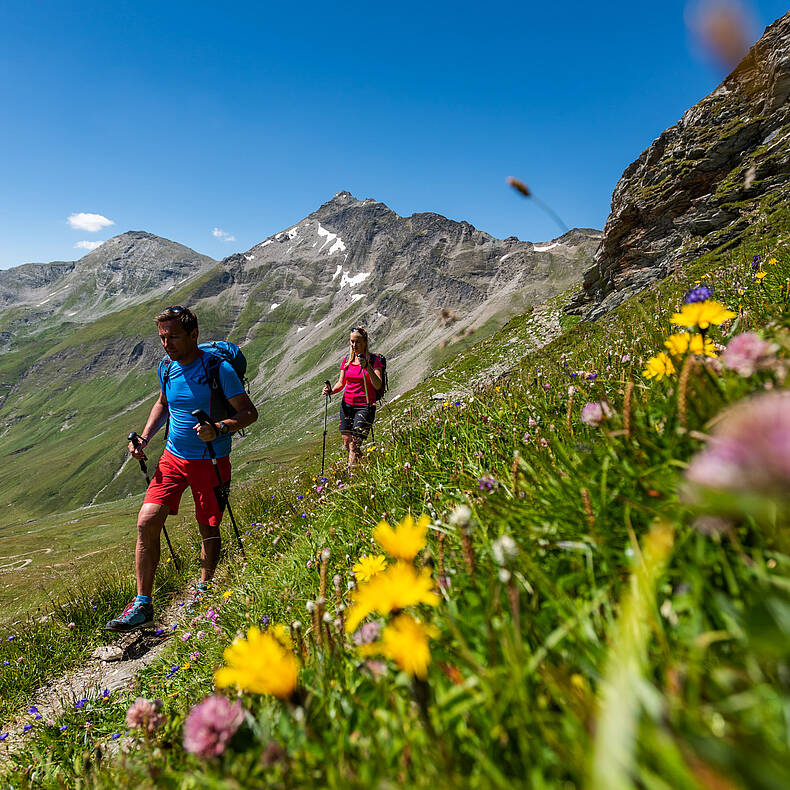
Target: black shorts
pixel 356 420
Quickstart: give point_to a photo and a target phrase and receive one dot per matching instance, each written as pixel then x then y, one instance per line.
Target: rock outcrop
pixel 724 167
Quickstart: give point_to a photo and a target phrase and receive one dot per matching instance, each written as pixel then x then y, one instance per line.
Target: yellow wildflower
pixel 405 641
pixel 405 540
pixel 759 276
pixel 399 586
pixel 772 261
pixel 368 567
pixel 702 314
pixel 682 342
pixel 658 366
pixel 282 635
pixel 227 594
pixel 259 664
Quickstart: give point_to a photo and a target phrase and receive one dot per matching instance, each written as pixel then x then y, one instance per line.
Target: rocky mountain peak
pixel 703 182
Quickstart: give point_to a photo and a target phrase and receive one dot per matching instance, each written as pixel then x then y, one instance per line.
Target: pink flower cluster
pixel 749 449
pixel 210 726
pixel 144 714
pixel 595 413
pixel 747 353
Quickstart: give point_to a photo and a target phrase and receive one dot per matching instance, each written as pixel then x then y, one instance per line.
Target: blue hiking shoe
pixel 200 589
pixel 134 616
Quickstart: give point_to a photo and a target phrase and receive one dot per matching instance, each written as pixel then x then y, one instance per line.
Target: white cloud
pixel 90 222
pixel 218 233
pixel 88 245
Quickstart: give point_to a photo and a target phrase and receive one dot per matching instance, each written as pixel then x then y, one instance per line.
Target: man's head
pixel 178 333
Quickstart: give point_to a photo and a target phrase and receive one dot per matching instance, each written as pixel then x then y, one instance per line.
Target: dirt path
pixel 113 667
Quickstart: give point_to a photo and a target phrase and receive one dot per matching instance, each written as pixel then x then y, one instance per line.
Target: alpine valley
pixel 78 346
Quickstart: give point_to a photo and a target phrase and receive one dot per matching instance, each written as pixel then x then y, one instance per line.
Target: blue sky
pixel 179 118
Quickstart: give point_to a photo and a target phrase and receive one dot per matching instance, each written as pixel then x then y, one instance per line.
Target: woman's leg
pixel 347 445
pixel 354 450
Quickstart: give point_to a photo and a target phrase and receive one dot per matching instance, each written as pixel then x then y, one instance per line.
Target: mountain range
pixel 79 345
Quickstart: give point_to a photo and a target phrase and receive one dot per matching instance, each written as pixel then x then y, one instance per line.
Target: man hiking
pixel 184 386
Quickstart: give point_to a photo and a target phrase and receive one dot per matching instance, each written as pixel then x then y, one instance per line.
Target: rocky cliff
pixel 721 170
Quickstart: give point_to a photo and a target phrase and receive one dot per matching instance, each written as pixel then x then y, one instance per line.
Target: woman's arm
pixel 374 377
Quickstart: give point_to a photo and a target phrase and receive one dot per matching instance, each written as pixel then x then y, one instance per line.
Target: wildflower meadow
pixel 575 577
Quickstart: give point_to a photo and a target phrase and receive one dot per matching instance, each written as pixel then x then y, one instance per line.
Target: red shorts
pixel 174 474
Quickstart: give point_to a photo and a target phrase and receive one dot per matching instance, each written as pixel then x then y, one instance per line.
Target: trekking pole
pixel 135 440
pixel 327 398
pixel 204 419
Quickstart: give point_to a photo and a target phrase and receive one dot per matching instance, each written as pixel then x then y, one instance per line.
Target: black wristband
pixel 144 439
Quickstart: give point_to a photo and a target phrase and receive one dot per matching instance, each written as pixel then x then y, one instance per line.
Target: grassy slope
pixel 695 645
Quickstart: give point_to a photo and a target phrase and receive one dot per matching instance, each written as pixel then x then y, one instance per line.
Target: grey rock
pixel 108 653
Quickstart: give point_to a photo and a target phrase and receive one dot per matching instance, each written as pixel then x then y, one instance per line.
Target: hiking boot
pixel 134 616
pixel 200 589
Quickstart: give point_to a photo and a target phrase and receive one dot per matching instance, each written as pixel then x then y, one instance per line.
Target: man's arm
pixel 245 415
pixel 156 419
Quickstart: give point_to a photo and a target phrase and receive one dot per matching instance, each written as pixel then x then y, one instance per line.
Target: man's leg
pixel 146 556
pixel 210 546
pixel 209 507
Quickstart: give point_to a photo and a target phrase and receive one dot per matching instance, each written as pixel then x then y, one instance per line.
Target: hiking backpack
pixel 384 379
pixel 214 353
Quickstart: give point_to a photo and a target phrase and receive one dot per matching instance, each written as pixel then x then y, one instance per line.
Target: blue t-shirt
pixel 188 389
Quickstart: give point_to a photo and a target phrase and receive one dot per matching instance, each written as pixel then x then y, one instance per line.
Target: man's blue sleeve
pixel 230 381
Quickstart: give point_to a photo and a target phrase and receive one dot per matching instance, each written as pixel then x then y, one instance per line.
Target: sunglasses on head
pixel 176 308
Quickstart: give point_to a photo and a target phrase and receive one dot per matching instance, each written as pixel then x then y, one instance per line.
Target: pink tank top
pixel 354 393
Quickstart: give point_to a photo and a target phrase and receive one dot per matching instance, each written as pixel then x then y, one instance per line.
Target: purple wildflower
pixel 27 728
pixel 11 638
pixel 486 483
pixel 159 631
pixel 80 703
pixel 63 728
pixel 698 294
pixel 4 736
pixel 756 263
pixel 747 353
pixel 749 449
pixel 116 735
pixel 265 620
pixel 6 663
pixel 210 725
pixel 595 413
pixel 367 633
pixel 32 709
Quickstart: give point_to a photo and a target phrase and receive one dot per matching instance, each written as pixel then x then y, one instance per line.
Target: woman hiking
pixel 360 377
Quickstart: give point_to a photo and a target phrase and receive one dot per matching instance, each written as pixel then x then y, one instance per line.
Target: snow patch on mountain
pixel 331 238
pixel 356 279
